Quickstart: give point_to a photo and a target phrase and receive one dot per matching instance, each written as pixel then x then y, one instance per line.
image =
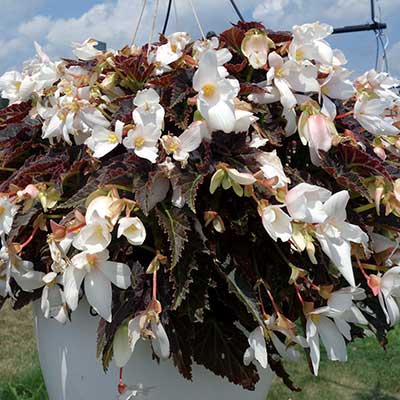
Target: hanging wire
pixel 167 17
pixel 153 26
pixel 197 19
pixel 385 45
pixel 378 47
pixel 236 8
pixel 139 22
pixel 382 40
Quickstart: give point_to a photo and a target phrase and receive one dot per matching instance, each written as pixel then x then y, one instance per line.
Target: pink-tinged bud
pixel 318 132
pixel 58 230
pixel 380 152
pixel 398 143
pixel 374 282
pixel 31 191
pixel 80 217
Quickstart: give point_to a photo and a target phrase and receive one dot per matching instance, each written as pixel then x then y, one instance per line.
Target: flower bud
pixel 255 46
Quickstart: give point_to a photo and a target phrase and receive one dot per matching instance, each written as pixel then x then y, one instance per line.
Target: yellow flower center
pixel 174 47
pixel 315 318
pixel 91 258
pixel 74 106
pixel 299 55
pixel 279 73
pixel 209 90
pixel 139 142
pixel 173 147
pixel 131 230
pixel 2 210
pixel 18 85
pixel 112 138
pixel 62 115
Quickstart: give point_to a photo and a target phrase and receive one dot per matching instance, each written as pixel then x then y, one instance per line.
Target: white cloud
pixel 113 21
pixel 37 27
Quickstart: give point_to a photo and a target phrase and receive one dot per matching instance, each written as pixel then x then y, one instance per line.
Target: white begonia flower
pixel 271 94
pixel 243 120
pixel 231 177
pixel 181 146
pixel 133 230
pixel 58 252
pixel 258 348
pixel 53 304
pixel 102 207
pixel 15 86
pixel 173 49
pixel 103 141
pixel 97 273
pixel 318 132
pixel 276 222
pixel 305 203
pixel 8 211
pixel 271 167
pixel 86 51
pixel 147 325
pixel 290 76
pixel 144 140
pixel 335 234
pixel 43 71
pixel 379 83
pixel 387 288
pixel 200 47
pixel 331 324
pixel 148 109
pixel 12 266
pixel 285 351
pixel 216 94
pixel 308 43
pixel 94 237
pixel 71 114
pixel 336 86
pixel 371 114
pixel 255 47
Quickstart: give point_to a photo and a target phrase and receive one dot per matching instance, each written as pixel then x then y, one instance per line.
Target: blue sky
pixel 56 23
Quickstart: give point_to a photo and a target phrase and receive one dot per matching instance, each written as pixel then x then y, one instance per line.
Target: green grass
pixel 20 375
pixel 370 374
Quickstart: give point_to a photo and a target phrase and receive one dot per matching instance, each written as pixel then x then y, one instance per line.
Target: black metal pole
pixel 373 11
pixel 376 26
pixel 237 10
pixel 167 17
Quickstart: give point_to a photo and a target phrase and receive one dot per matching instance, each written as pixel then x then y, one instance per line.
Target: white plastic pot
pixel 71 371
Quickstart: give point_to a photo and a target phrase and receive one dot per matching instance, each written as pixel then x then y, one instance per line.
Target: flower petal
pixel 160 343
pixel 121 349
pixel 98 293
pixel 72 280
pixel 118 273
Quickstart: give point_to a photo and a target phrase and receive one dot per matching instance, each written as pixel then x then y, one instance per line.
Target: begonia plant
pixel 234 201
